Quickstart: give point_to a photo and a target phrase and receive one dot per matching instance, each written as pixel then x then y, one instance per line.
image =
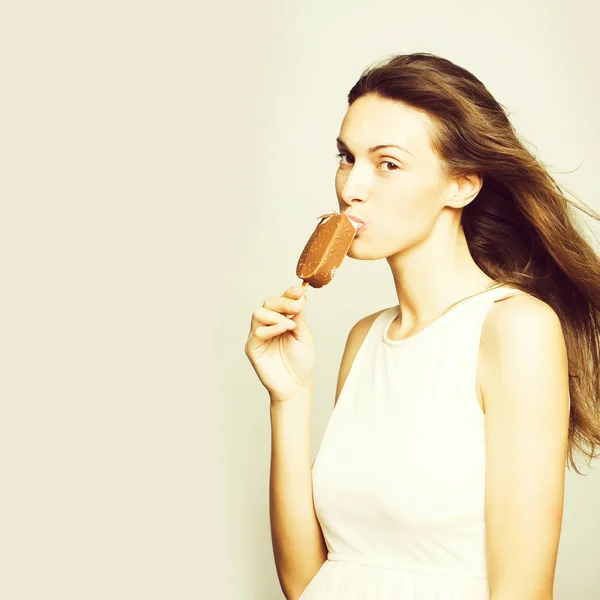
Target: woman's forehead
pixel 371 121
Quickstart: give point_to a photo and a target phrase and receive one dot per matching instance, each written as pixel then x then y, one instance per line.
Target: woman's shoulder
pixel 515 311
pixel 364 324
pixel 515 308
pixel 518 319
pixel 356 337
pixel 359 331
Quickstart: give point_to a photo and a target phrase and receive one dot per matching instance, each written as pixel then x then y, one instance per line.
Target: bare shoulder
pixel 516 325
pixel 518 312
pixel 356 337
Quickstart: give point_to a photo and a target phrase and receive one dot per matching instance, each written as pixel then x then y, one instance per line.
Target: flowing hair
pixel 521 228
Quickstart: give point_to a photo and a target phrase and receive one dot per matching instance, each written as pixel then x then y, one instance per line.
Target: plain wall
pixel 163 165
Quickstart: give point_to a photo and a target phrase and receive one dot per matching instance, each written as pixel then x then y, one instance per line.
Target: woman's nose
pixel 356 186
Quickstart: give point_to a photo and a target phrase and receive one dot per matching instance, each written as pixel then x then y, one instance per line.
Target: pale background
pixel 162 165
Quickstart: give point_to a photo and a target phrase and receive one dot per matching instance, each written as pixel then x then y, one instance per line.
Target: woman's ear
pixel 467 189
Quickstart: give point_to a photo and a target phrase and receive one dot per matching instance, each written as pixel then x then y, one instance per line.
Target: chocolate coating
pixel 326 249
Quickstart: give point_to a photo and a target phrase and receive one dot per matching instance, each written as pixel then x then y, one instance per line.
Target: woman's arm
pixel 298 544
pixel 525 390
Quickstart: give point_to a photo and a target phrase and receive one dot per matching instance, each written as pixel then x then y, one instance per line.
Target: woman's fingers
pixel 275 311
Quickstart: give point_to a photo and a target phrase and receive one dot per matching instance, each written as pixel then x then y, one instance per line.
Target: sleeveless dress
pixel 399 478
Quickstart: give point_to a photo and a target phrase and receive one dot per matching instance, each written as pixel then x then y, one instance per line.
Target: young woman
pixel 440 475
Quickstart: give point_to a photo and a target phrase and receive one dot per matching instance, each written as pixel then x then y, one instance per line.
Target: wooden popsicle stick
pixel 304 286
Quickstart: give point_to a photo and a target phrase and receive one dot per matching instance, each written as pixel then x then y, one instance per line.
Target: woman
pixel 441 472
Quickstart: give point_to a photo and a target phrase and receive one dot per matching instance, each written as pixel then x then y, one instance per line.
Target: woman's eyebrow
pixel 374 148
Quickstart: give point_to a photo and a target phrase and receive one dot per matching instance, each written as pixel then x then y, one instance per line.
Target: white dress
pixel 399 478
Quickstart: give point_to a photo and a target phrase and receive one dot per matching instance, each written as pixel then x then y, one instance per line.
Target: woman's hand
pixel 281 349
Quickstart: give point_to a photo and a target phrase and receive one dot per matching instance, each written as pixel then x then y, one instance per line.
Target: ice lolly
pixel 325 249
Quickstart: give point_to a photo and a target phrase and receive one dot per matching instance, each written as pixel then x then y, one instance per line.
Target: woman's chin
pixel 361 249
pixel 357 249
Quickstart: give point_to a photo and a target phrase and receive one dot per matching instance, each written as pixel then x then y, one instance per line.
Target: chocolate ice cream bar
pixel 325 249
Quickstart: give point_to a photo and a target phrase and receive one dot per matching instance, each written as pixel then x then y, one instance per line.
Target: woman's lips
pixel 358 223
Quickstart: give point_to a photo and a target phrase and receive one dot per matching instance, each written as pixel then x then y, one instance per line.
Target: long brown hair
pixel 521 228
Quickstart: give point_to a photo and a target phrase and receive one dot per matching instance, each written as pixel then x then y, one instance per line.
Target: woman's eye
pixel 348 159
pixel 344 155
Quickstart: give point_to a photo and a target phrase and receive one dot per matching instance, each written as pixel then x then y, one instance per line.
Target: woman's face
pixel 399 192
